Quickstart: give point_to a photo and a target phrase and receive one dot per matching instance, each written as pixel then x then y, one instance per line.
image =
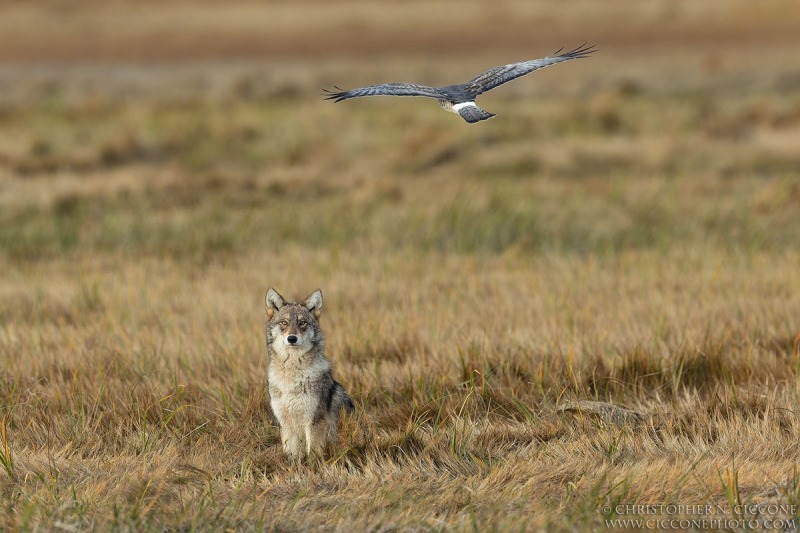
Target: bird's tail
pixel 473 113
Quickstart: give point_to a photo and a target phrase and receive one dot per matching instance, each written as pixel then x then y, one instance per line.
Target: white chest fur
pixel 293 386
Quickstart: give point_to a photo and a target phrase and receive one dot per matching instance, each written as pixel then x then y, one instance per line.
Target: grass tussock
pixel 590 300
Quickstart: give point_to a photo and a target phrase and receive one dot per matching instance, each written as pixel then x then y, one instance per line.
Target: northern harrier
pixel 461 98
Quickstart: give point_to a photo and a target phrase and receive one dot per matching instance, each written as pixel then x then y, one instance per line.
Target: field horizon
pixel 587 304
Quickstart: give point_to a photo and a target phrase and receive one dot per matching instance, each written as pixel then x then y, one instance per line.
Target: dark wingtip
pixel 583 50
pixel 337 96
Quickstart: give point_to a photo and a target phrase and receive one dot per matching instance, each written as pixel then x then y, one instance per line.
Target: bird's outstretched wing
pixel 386 89
pixel 505 73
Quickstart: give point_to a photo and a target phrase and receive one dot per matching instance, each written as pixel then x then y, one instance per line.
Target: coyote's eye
pixel 303 323
pixel 283 323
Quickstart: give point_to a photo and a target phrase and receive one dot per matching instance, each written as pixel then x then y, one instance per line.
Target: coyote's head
pixel 293 328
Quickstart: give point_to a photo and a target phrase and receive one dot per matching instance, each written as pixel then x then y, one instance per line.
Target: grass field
pixel 591 300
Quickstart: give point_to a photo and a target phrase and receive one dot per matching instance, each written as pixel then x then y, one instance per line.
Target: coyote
pixel 304 396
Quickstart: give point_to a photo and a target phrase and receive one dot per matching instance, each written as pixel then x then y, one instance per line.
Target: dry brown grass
pixel 590 300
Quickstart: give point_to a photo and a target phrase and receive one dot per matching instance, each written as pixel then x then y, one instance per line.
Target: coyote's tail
pixel 344 399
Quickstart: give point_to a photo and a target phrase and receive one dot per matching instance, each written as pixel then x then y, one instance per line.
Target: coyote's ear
pixel 314 303
pixel 274 302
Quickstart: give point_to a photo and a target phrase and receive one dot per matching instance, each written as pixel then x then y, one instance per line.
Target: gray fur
pixel 305 398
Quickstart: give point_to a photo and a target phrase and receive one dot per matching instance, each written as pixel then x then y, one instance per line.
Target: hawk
pixel 460 99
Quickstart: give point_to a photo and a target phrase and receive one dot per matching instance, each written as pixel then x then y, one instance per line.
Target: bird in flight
pixel 460 99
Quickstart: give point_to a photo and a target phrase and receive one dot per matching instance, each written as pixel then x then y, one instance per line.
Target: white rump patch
pixel 459 107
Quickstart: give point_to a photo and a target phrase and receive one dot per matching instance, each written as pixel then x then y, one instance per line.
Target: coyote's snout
pixel 305 398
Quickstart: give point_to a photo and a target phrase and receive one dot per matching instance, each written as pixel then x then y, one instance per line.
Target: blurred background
pixel 198 129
